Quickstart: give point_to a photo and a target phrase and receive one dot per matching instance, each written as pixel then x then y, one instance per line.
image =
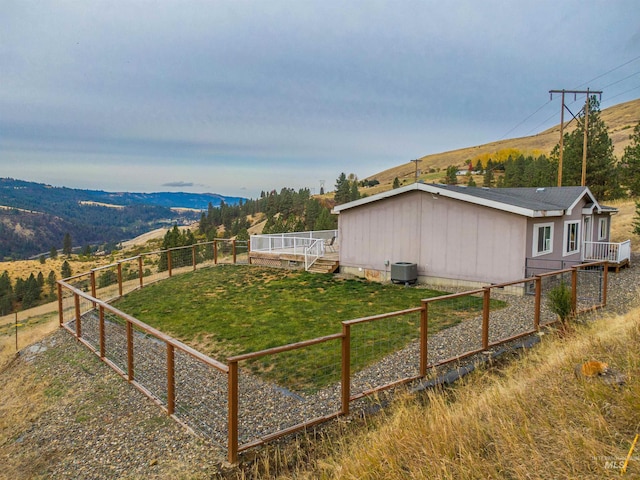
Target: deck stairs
pixel 324 265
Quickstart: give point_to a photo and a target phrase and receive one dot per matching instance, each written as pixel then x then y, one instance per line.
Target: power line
pixel 593 79
pixel 521 122
pixel 609 71
pixel 622 79
pixel 622 93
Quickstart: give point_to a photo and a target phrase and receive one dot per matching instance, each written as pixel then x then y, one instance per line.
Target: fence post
pixel 424 327
pixel 140 272
pixel 60 306
pixel 171 380
pixel 215 252
pixel 120 279
pixel 574 289
pixel 101 313
pixel 233 247
pixel 130 351
pixel 193 256
pixel 169 262
pixel 536 308
pixel 346 368
pixel 232 446
pixel 485 317
pixel 93 285
pixel 76 299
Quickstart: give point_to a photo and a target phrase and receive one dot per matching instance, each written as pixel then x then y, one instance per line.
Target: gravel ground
pixel 100 427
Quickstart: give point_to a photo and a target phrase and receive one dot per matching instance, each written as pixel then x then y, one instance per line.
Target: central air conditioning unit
pixel 404 272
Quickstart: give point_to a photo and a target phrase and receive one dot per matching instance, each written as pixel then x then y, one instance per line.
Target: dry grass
pixel 23 401
pixel 622 222
pixel 30 331
pixel 530 419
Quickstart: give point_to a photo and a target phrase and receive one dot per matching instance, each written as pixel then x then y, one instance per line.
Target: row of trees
pixel 286 211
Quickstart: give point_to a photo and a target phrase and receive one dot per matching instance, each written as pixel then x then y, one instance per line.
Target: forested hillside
pixel 35 217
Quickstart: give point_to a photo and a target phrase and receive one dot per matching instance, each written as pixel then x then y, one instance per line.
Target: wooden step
pixel 324 266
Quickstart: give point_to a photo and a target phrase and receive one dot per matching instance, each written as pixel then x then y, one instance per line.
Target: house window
pixel 542 239
pixel 571 238
pixel 603 228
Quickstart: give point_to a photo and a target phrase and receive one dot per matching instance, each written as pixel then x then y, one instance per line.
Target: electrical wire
pixel 521 122
pixel 581 85
pixel 608 72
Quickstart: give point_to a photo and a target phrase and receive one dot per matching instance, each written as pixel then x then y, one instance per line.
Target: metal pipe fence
pixel 257 397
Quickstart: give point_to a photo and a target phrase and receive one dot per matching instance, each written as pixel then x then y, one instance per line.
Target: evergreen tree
pixel 31 293
pixel 51 282
pixel 478 168
pixel 65 270
pixel 312 211
pixel 326 221
pixel 67 245
pixel 354 193
pixel 636 219
pixel 631 163
pixel 602 173
pixel 396 183
pixel 343 189
pixel 6 294
pixel 42 259
pixel 487 179
pixel 53 253
pixel 471 182
pixel 451 178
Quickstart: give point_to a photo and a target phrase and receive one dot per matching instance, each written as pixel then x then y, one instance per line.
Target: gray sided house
pixel 467 236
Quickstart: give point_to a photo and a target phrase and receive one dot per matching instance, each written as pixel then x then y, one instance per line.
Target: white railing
pixel 612 252
pixel 293 242
pixel 313 252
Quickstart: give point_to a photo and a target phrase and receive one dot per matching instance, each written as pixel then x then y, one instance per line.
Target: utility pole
pixel 416 162
pixel 586 125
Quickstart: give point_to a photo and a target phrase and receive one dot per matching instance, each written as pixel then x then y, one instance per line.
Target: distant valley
pixel 35 217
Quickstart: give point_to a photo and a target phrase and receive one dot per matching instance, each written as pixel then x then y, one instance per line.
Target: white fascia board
pixel 374 198
pixel 547 213
pixel 580 197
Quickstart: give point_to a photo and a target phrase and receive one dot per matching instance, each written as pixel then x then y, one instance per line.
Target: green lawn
pixel 234 309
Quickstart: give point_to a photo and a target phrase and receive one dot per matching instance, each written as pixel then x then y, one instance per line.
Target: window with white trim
pixel 542 239
pixel 571 237
pixel 603 228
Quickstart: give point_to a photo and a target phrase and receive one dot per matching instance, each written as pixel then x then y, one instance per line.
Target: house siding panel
pixel 470 243
pixel 372 234
pixel 447 238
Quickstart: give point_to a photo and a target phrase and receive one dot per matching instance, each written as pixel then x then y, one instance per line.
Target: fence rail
pixel 225 401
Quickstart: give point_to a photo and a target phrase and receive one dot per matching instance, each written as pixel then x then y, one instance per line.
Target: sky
pixel 237 97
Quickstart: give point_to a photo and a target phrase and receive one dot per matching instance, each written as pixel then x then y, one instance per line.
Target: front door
pixel 587 251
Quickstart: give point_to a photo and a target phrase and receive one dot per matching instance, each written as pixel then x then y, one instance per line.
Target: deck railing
pixel 611 252
pixel 293 242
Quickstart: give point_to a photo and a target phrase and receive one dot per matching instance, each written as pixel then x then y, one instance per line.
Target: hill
pixel 620 120
pixel 35 217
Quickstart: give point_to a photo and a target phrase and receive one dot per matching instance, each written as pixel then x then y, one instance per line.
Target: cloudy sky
pixel 235 97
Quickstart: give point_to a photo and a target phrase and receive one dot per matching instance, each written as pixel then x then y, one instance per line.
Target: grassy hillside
pixel 533 418
pixel 620 119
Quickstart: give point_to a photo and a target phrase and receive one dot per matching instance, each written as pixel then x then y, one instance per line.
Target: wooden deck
pixel 329 263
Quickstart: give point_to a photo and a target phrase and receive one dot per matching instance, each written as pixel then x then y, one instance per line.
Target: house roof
pixel 529 202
